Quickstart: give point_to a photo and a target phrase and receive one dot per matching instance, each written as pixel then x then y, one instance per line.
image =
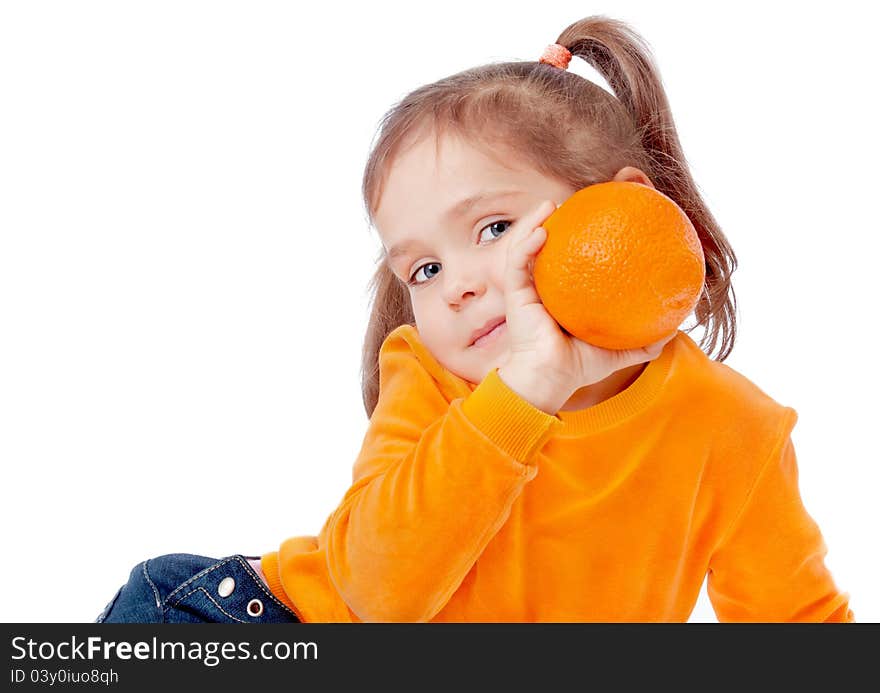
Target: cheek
pixel 426 312
pixel 498 266
pixel 421 311
pixel 436 331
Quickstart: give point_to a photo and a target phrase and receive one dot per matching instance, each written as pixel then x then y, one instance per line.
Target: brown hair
pixel 570 129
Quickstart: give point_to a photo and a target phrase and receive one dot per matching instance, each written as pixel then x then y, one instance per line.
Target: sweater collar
pixel 634 399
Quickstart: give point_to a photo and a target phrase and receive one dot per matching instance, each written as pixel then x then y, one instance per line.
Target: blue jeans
pixel 184 588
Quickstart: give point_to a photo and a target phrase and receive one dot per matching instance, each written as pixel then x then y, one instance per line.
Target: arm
pixel 433 483
pixel 769 566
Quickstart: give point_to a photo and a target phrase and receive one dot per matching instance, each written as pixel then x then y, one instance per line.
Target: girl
pixel 511 472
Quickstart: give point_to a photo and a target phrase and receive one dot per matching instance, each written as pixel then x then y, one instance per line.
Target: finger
pixel 523 227
pixel 519 284
pixel 538 215
pixel 519 289
pixel 625 358
pixel 651 351
pixel 522 253
pixel 525 244
pixel 661 343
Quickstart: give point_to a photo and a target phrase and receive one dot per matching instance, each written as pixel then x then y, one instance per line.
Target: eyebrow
pixel 463 206
pixel 457 210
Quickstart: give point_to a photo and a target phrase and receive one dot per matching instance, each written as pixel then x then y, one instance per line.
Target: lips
pixel 486 329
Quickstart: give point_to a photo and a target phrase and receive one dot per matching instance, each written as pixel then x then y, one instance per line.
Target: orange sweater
pixel 470 504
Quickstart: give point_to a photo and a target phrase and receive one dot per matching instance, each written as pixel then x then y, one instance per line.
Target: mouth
pixel 490 336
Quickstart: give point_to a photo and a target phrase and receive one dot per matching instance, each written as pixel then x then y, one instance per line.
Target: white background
pixel 184 257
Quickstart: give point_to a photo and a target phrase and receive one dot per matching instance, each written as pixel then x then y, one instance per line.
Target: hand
pixel 546 364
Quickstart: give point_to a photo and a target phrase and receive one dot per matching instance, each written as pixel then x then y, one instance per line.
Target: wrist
pixel 528 383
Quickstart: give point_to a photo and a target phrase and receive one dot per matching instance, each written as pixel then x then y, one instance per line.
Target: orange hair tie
pixel 556 55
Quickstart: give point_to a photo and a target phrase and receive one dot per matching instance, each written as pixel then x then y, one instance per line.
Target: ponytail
pixel 624 60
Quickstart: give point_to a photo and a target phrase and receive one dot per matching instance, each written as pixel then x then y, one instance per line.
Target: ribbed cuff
pixel 269 564
pixel 515 425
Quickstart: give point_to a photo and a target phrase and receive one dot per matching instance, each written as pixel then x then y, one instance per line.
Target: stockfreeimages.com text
pixel 210 653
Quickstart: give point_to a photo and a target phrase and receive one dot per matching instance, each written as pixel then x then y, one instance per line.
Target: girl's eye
pixel 493 229
pixel 412 279
pixel 432 268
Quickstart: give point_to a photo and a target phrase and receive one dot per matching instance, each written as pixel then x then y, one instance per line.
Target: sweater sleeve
pixel 433 483
pixel 770 565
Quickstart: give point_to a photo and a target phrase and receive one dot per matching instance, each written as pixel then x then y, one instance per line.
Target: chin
pixel 463 372
pixel 486 369
pixel 474 371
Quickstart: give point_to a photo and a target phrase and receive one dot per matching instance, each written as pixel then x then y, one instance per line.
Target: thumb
pixel 654 349
pixel 625 358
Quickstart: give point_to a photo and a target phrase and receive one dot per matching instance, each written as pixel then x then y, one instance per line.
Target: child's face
pixel 454 263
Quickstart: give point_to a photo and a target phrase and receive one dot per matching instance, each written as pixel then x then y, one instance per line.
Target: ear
pixel 633 175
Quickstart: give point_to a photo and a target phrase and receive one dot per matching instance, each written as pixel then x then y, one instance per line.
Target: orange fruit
pixel 621 267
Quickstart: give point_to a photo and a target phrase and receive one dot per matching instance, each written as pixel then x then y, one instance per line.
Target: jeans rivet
pixel 255 607
pixel 224 589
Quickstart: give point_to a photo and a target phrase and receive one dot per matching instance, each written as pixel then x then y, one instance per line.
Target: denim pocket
pixel 197 605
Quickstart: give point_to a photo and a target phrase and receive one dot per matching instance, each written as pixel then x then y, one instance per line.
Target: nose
pixel 465 284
